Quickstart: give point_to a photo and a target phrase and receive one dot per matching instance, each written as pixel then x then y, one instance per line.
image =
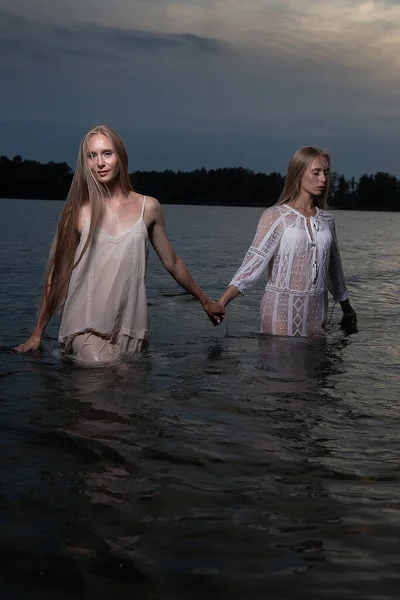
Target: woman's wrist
pixel 37 333
pixel 346 306
pixel 204 299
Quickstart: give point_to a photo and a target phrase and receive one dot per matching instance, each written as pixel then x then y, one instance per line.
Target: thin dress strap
pixel 144 204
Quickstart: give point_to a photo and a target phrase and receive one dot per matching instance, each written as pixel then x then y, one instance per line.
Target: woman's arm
pixel 258 256
pixel 43 315
pixel 337 283
pixel 175 265
pixel 35 339
pixel 230 294
pixel 349 318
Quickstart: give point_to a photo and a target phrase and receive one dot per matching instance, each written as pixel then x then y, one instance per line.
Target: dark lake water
pixel 220 464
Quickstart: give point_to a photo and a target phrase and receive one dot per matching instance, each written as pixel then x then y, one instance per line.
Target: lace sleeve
pixel 336 280
pixel 261 251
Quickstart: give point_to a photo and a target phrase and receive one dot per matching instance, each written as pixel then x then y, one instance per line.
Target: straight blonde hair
pixel 300 161
pixel 85 188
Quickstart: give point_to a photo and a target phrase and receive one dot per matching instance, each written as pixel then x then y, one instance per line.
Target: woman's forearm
pixel 181 274
pixel 230 294
pixel 41 321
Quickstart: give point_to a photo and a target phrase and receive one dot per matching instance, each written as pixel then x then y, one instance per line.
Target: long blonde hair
pixel 85 188
pixel 300 161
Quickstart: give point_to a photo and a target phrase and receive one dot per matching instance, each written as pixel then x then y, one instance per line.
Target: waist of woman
pixel 312 291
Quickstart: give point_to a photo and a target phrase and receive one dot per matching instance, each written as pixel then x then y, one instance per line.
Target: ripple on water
pixel 221 463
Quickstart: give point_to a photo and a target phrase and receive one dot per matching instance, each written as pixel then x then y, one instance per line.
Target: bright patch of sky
pixel 204 83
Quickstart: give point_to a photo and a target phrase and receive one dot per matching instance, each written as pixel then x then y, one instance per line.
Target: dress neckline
pixel 121 236
pixel 301 214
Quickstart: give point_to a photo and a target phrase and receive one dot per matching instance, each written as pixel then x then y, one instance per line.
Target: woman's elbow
pixel 171 263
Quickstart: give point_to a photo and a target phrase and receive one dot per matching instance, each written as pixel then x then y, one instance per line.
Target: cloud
pixel 255 73
pixel 122 40
pixel 362 34
pixel 13 49
pixel 74 37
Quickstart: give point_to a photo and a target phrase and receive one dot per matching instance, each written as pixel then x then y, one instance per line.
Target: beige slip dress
pixel 105 314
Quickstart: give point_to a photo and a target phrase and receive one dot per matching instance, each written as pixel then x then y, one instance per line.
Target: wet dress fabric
pixel 301 259
pixel 105 314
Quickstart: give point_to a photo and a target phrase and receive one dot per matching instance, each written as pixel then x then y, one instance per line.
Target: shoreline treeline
pixel 31 179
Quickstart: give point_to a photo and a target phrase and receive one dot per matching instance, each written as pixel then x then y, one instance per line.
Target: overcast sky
pixel 204 83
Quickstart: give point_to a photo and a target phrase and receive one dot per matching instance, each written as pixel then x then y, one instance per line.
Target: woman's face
pixel 315 176
pixel 102 159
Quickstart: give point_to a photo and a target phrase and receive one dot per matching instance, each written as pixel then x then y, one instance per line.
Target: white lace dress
pixel 302 261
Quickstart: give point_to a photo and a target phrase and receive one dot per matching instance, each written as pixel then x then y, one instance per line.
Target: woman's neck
pixel 303 202
pixel 115 196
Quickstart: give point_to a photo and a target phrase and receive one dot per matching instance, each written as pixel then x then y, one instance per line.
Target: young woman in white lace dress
pixel 296 246
pixel 97 266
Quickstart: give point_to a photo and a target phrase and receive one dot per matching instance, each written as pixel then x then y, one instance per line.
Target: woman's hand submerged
pixel 30 345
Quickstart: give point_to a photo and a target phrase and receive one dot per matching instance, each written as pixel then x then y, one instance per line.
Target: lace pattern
pixel 302 261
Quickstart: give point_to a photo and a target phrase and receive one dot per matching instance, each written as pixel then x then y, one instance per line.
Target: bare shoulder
pixel 152 203
pixel 136 198
pixel 135 203
pixel 153 209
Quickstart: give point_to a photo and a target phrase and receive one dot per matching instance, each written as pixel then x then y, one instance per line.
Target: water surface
pixel 219 464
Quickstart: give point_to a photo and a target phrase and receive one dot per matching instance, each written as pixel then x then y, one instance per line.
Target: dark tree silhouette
pixel 227 187
pixel 31 179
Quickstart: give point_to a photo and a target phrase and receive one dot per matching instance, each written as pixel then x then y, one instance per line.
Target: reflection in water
pixel 212 466
pixel 130 374
pixel 163 473
pixel 297 360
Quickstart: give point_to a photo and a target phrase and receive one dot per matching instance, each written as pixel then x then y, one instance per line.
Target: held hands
pixel 215 311
pixel 30 345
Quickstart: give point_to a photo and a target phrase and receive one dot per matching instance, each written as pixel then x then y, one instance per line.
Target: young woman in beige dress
pixel 97 265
